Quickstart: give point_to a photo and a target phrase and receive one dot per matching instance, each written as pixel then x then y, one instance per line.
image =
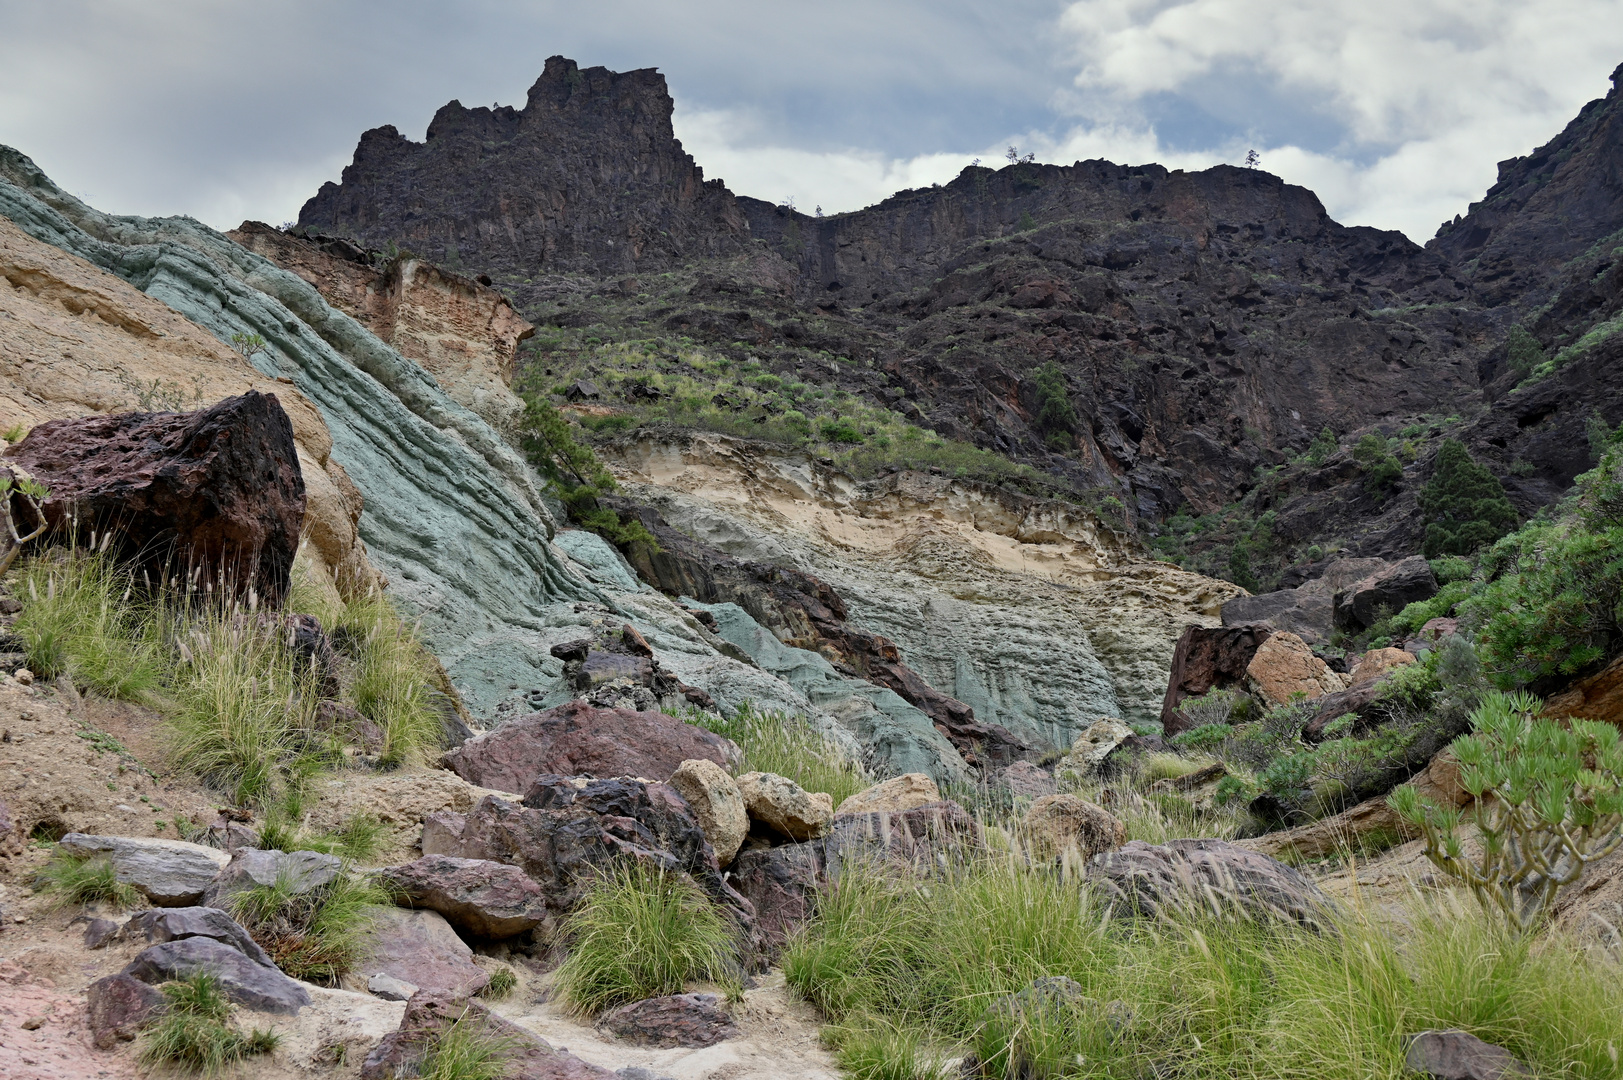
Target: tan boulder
pixel 1378 662
pixel 1095 744
pixel 76 340
pixel 785 807
pixel 1599 697
pixel 1285 666
pixel 718 803
pixel 892 796
pixel 1056 824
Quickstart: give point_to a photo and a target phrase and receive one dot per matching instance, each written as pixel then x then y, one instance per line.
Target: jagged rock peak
pixel 587 177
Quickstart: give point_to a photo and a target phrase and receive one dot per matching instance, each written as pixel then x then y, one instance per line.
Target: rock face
pixel 243 980
pixel 1058 824
pixel 1598 697
pixel 1284 667
pixel 462 332
pixel 1308 610
pixel 578 739
pixel 171 873
pixel 692 1020
pixel 500 188
pixel 419 947
pixel 784 807
pixel 717 803
pixel 216 492
pixel 1206 878
pixel 1208 659
pixel 483 899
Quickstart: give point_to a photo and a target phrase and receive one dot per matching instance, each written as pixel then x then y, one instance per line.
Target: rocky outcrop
pixel 171 873
pixel 1388 590
pixel 1598 697
pixel 579 739
pixel 419 948
pixel 462 331
pixel 1308 609
pixel 587 177
pixel 1204 879
pixel 1208 659
pixel 214 497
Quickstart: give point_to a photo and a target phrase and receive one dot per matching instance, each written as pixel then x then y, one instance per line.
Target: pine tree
pixel 1464 504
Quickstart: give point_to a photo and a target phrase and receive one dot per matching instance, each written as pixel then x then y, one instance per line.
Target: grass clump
pixel 78 620
pixel 502 983
pixel 72 879
pixel 196 1035
pixel 394 678
pixel 641 933
pixel 466 1049
pixel 315 934
pixel 357 840
pixel 1195 999
pixel 876 1050
pixel 775 742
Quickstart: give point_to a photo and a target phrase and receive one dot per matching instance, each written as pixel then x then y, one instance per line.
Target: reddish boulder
pixel 119 1007
pixel 217 492
pixel 420 948
pixel 484 899
pixel 1207 658
pixel 692 1020
pixel 429 1014
pixel 1599 697
pixel 782 884
pixel 579 739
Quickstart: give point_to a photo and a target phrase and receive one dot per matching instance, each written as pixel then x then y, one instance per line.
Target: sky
pixel 1394 111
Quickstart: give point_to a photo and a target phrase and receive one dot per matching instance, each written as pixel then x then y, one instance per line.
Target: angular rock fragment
pixel 785 807
pixel 717 803
pixel 300 871
pixel 1390 590
pixel 890 796
pixel 1459 1055
pixel 171 873
pixel 419 947
pixel 1206 659
pixel 691 1020
pixel 242 979
pixel 484 899
pixel 119 1006
pixel 1203 878
pixel 781 883
pixel 430 1013
pixel 1057 824
pixel 173 924
pixel 1284 667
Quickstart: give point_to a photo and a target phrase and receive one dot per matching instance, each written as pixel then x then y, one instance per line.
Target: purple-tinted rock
pixel 691 1020
pixel 419 947
pixel 483 898
pixel 430 1013
pixel 1458 1055
pixel 255 985
pixel 172 924
pixel 119 1007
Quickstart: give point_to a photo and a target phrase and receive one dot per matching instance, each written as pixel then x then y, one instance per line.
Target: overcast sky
pixel 1394 111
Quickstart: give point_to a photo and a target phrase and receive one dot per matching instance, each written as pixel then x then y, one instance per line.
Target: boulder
pixel 1202 878
pixel 1358 700
pixel 563 837
pixel 1598 697
pixel 217 493
pixel 1208 658
pixel 419 947
pixel 718 804
pixel 919 840
pixel 300 871
pixel 1377 662
pixel 170 873
pixel 578 739
pixel 484 899
pixel 1057 824
pixel 429 1013
pixel 1459 1055
pixel 1284 666
pixel 691 1020
pixel 390 988
pixel 1095 744
pixel 890 796
pixel 174 924
pixel 243 980
pixel 1027 779
pixel 1390 590
pixel 781 883
pixel 99 933
pixel 785 807
pixel 118 1007
pixel 1308 609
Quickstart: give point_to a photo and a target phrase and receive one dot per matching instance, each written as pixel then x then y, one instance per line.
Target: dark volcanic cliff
pixel 586 178
pixel 1206 325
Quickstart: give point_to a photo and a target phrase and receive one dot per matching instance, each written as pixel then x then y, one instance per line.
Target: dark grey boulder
pixel 170 873
pixel 173 924
pixel 691 1020
pixel 244 981
pixel 302 871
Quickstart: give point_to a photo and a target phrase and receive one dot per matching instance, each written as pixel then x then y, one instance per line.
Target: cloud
pixel 1423 97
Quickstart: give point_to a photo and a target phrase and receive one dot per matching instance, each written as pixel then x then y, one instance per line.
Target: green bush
pixel 574 473
pixel 195 1032
pixel 1548 801
pixel 71 879
pixel 642 933
pixel 1464 504
pixel 839 431
pixel 1054 411
pixel 1382 471
pixel 1324 445
pixel 1419 613
pixel 1523 351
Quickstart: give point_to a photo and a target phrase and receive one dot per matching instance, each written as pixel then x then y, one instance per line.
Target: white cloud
pixel 1429 94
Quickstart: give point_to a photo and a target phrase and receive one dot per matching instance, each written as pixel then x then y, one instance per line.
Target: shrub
pixel 1523 351
pixel 839 431
pixel 1548 801
pixel 642 933
pixel 394 679
pixel 316 935
pixel 195 1033
pixel 73 879
pixel 1464 504
pixel 1382 470
pixel 574 473
pixel 1054 410
pixel 1324 445
pixel 502 983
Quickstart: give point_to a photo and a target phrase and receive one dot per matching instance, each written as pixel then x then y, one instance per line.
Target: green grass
pixel 317 935
pixel 502 983
pixel 393 678
pixel 78 620
pixel 71 880
pixel 195 1034
pixel 357 840
pixel 466 1049
pixel 1197 1000
pixel 638 934
pixel 788 746
pixel 872 1049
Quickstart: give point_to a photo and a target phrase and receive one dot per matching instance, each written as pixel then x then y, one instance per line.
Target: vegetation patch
pixel 789 746
pixel 73 880
pixel 316 934
pixel 196 1034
